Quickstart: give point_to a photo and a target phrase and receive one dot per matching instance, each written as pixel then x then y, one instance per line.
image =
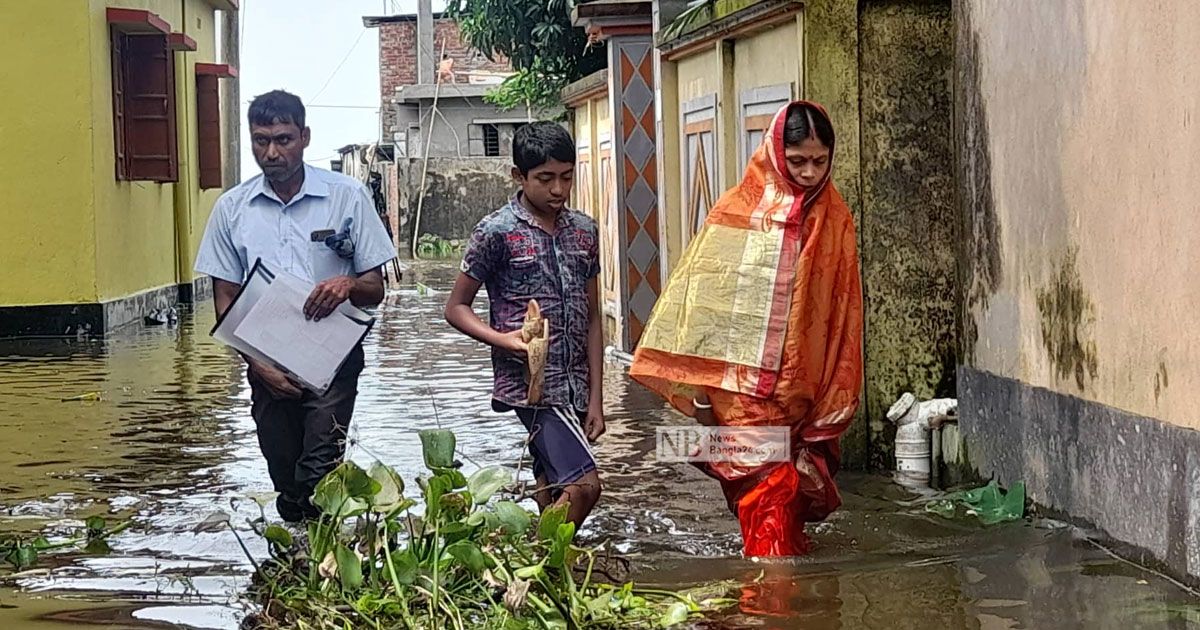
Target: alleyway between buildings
pixel 171 441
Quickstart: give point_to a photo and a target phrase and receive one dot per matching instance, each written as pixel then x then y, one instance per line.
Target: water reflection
pixel 172 441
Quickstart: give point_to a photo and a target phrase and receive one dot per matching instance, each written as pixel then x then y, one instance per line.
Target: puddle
pixel 171 441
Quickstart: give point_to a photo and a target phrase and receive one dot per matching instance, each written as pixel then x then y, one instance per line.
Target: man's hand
pixel 327 296
pixel 513 343
pixel 593 425
pixel 276 382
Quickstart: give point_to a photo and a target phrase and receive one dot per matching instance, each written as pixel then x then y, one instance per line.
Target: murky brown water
pixel 172 441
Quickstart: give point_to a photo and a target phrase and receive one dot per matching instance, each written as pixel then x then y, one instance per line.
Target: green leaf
pixel 513 518
pixel 391 487
pixel 349 567
pixel 562 543
pixel 40 543
pixel 487 482
pixel 454 476
pixel 437 445
pixel 404 567
pixel 469 554
pixel 345 492
pixel 97 547
pixel 551 519
pixel 95 524
pixel 279 536
pixel 675 615
pixel 529 572
pixel 435 489
pixel 22 557
pixel 455 532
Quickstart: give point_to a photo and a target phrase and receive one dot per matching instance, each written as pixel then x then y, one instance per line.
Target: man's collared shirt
pixel 250 222
pixel 518 261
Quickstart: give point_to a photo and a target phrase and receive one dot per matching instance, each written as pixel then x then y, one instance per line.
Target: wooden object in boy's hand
pixel 536 334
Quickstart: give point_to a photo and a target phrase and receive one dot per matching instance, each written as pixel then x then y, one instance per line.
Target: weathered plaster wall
pixel 1083 279
pixel 1077 165
pixel 831 79
pixel 908 225
pixel 698 75
pixel 768 58
pixel 458 194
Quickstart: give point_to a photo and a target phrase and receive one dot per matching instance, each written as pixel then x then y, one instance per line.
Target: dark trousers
pixel 304 439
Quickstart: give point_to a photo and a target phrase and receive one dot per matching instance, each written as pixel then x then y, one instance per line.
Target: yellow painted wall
pixel 46 155
pixel 193 206
pixel 670 175
pixel 137 245
pixel 1090 228
pixel 585 187
pixel 698 75
pixel 768 58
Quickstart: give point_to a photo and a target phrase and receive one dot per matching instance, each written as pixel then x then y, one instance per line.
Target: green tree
pixel 537 37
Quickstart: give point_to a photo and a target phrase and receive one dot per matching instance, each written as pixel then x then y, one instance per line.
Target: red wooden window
pixel 144 107
pixel 208 119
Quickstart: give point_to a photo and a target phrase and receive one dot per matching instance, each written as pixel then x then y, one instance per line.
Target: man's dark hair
pixel 538 143
pixel 805 121
pixel 276 108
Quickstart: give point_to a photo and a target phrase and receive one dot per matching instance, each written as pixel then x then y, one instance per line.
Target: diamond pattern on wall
pixel 639 193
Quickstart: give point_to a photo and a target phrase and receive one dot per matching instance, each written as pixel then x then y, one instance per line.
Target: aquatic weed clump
pixel 466 562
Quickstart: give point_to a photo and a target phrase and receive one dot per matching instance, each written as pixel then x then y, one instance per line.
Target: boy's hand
pixel 593 425
pixel 513 343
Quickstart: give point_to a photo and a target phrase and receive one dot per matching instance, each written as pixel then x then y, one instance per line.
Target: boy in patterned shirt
pixel 535 248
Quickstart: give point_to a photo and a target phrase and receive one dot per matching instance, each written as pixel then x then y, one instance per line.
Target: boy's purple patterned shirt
pixel 518 261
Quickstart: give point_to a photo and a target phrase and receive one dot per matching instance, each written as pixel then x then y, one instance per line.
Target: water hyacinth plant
pixel 456 559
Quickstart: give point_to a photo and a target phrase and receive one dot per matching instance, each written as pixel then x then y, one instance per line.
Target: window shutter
pixel 118 81
pixel 208 119
pixel 149 109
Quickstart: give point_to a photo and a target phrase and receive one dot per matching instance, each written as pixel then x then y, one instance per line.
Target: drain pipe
pixel 612 353
pixel 914 460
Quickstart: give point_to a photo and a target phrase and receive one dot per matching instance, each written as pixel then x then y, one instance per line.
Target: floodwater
pixel 171 441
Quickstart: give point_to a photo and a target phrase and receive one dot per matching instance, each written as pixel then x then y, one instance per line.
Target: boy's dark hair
pixel 276 108
pixel 804 122
pixel 538 143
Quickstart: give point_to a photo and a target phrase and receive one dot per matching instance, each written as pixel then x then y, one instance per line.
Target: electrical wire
pixel 339 66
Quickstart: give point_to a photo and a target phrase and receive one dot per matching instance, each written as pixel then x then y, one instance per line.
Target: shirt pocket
pixel 324 263
pixel 579 264
pixel 524 277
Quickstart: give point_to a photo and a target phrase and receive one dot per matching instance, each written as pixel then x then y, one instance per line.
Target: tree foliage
pixel 537 37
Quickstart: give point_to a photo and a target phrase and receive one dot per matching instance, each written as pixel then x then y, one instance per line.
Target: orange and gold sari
pixel 764 314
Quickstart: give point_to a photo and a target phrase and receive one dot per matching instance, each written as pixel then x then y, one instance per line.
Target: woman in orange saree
pixel 760 325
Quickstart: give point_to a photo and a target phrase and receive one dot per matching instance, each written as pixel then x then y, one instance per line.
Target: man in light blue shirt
pixel 318 226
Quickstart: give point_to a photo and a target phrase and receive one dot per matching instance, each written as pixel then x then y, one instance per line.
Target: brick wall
pixel 398 59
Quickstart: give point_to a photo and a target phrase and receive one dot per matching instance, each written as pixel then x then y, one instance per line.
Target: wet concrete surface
pixel 171 441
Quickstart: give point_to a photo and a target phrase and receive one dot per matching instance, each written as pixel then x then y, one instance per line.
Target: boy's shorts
pixel 561 452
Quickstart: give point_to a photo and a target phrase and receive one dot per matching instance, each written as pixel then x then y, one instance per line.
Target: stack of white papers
pixel 266 322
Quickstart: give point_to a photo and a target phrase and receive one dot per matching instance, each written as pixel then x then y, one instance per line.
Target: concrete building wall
pixel 458 193
pixel 908 220
pixel 398 60
pixel 1078 165
pixel 99 242
pixel 772 57
pixel 46 164
pixel 143 239
pixel 452 132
